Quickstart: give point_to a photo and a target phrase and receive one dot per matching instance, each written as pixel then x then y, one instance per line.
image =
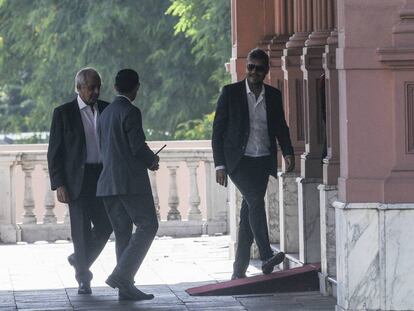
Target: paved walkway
pixel 38 277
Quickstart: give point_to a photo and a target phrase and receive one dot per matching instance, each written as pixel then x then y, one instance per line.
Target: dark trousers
pixel 131 248
pixel 85 211
pixel 251 178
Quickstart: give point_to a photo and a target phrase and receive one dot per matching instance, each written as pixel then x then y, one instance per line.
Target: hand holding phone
pixel 161 149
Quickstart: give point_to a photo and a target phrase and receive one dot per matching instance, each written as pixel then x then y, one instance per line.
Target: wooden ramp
pixel 293 280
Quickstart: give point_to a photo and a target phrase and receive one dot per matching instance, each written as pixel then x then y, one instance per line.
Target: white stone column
pixel 235 199
pixel 328 195
pixel 216 198
pixel 288 214
pixel 9 231
pixel 28 203
pixel 272 210
pixel 154 188
pixel 194 198
pixel 173 200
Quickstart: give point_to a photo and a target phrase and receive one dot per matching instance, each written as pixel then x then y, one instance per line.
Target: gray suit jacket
pixel 125 154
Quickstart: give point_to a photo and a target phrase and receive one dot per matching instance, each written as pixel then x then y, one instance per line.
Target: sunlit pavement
pixel 38 277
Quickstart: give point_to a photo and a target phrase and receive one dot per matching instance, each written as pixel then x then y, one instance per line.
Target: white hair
pixel 80 78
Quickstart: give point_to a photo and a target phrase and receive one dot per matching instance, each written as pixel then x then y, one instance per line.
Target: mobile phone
pixel 161 149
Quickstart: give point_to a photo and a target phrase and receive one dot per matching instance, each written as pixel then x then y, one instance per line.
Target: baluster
pixel 66 216
pixel 194 198
pixel 153 181
pixel 173 200
pixel 49 204
pixel 28 203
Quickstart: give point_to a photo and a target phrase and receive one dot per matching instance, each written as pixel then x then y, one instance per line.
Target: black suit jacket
pixel 66 153
pixel 231 126
pixel 125 154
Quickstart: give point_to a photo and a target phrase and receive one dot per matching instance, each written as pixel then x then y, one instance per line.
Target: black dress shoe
pixel 141 296
pixel 71 259
pixel 127 290
pixel 84 288
pixel 267 266
pixel 236 276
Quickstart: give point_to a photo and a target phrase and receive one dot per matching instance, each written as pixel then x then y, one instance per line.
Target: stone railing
pixel 186 197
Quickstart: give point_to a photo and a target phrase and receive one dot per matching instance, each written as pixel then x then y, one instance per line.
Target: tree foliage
pixel 207 24
pixel 44 42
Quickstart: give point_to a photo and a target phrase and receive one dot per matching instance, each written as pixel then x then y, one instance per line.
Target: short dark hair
pixel 259 54
pixel 126 80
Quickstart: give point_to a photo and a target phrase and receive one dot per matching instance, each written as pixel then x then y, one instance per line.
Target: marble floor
pixel 38 277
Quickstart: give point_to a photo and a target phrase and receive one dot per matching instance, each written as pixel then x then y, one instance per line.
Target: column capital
pixel 401 54
pixel 297 40
pixel 318 38
pixel 403 32
pixel 333 38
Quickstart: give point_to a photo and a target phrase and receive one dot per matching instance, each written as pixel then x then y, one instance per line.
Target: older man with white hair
pixel 74 166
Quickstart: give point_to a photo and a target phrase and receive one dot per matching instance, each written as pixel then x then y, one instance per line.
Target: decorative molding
pixel 299 110
pixel 305 111
pixel 409 104
pixel 397 58
pixel 401 54
pixel 319 117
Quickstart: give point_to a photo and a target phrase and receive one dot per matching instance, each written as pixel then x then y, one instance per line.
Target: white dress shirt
pixel 124 97
pixel 258 144
pixel 89 121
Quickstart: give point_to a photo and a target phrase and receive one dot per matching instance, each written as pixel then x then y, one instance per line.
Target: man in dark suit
pixel 74 167
pixel 249 119
pixel 124 184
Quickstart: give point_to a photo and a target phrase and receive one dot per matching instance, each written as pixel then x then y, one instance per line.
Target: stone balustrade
pixel 186 197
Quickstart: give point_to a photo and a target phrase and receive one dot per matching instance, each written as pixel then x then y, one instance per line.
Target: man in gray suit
pixel 124 184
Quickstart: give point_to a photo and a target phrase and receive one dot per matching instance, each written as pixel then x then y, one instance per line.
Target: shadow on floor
pixel 167 297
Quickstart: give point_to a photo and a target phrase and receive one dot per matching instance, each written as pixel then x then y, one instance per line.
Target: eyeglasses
pixel 251 67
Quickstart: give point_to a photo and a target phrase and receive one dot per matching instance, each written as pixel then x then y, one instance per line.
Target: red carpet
pixel 293 280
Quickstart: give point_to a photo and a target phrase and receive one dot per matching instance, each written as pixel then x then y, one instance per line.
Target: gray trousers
pixel 131 248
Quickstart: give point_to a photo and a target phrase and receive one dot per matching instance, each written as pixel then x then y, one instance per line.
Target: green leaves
pixel 178 48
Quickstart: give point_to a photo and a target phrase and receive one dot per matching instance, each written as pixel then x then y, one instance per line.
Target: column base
pixel 45 232
pixel 288 204
pixel 374 256
pixel 234 201
pixel 10 234
pixel 272 210
pixel 328 195
pixel 326 286
pixel 309 220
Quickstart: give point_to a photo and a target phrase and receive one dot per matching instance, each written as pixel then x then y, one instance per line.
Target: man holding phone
pixel 125 186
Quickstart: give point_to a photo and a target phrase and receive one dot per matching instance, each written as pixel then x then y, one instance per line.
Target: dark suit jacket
pixel 125 154
pixel 231 126
pixel 66 153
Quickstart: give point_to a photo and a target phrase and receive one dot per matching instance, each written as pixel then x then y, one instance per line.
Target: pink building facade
pixel 346 71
